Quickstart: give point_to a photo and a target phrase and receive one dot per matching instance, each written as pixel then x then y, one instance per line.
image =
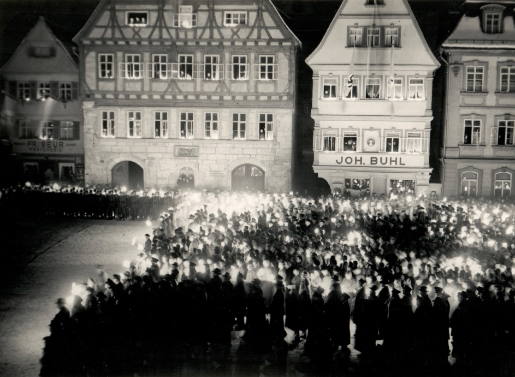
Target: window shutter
pixel 12 88
pixel 75 90
pixel 54 89
pixel 76 130
pixel 33 90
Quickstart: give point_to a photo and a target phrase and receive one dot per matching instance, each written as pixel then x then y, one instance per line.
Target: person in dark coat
pixel 148 244
pixel 239 302
pixel 338 317
pixel 277 311
pixel 256 328
pixel 364 316
pixel 318 346
pixel 460 329
pixel 292 311
pixel 440 336
pixel 423 328
pixel 304 307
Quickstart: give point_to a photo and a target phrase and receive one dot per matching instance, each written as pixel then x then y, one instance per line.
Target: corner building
pixel 372 96
pixel 194 92
pixel 478 148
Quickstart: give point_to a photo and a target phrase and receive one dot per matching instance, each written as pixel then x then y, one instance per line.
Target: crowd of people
pixel 407 282
pixel 90 202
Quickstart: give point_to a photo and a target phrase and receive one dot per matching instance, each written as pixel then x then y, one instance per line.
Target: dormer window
pixel 355 36
pixel 186 19
pixel 374 2
pixel 492 18
pixel 137 19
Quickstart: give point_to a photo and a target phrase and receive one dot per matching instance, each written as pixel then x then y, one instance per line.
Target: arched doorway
pixel 129 174
pixel 249 178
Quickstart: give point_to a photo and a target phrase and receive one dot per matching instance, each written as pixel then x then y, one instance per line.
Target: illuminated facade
pixel 478 148
pixel 41 109
pixel 372 98
pixel 192 92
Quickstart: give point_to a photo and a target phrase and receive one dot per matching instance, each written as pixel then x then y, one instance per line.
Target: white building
pixel 372 91
pixel 479 148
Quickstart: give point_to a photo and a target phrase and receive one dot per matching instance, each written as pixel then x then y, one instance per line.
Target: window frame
pixel 372 37
pixel 157 67
pixel 463 179
pixel 419 142
pixel 510 78
pixel 353 32
pixel 334 79
pixel 127 13
pixel 161 123
pixel 475 68
pixel 64 125
pixel 350 134
pixel 133 65
pixel 103 67
pixel 268 125
pixel 44 130
pixel 270 68
pixel 23 90
pixel 208 125
pixel 380 91
pixel 329 136
pixel 473 126
pixel 65 91
pixel 182 75
pixel 414 88
pixel 350 89
pixel 25 130
pixel 392 135
pixel 239 123
pixel 502 181
pixel 44 90
pixel 108 123
pixel 393 86
pixel 239 64
pixel 488 26
pixel 232 13
pixel 187 124
pixel 395 38
pixel 508 127
pixel 215 67
pixel 137 124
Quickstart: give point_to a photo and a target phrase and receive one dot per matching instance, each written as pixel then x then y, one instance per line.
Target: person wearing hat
pixel 60 323
pixel 440 325
pixel 148 244
pixel 337 310
pixel 423 331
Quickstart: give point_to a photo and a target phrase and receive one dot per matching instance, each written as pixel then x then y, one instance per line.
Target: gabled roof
pixel 358 8
pixel 469 34
pixel 40 32
pixel 104 3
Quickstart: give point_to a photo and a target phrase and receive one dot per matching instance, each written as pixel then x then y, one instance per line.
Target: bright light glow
pixel 148 223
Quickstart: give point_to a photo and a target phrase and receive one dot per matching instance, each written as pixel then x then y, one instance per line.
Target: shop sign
pixel 371 160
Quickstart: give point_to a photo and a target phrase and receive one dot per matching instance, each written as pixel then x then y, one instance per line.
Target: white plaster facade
pixel 372 96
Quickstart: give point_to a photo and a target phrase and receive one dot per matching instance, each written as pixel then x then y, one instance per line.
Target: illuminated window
pixel 416 89
pixel 507 79
pixel 351 87
pixel 472 135
pixel 186 19
pixel 186 67
pixel 392 142
pixel 67 130
pixel 186 126
pixel 395 88
pixel 24 91
pixel 160 124
pixel 48 131
pixel 505 132
pixel 211 125
pixel 469 183
pixel 329 88
pixel 403 186
pixel 106 66
pixel 357 184
pixel 266 126
pixel 414 142
pixel 134 124
pixel 502 185
pixel 350 141
pixel 475 77
pixel 373 88
pixel 44 90
pixel 239 124
pixel 137 18
pixel 239 67
pixel 108 124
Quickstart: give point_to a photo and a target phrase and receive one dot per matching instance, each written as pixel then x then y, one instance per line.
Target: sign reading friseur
pixel 47 146
pixel 371 160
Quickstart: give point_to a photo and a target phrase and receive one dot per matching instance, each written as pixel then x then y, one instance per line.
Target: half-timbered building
pixel 188 92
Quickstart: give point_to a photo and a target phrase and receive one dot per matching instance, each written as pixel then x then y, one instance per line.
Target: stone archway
pixel 129 174
pixel 248 177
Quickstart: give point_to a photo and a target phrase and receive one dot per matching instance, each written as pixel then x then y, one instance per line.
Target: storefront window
pixel 357 184
pixel 405 186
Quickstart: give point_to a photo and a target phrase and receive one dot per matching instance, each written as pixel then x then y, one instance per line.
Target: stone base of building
pixel 374 181
pixel 50 168
pixel 485 177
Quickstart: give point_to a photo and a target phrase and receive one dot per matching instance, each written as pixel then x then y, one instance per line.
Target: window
pixel 392 142
pixel 267 67
pixel 505 132
pixel 44 90
pixel 469 183
pixel 160 66
pixel 212 67
pixel 502 185
pixel 475 76
pixel 186 18
pixel 106 66
pixel 329 88
pixel 108 124
pixel 350 142
pixel 239 122
pixel 472 132
pixel 492 22
pixel 48 131
pixel 67 171
pixel 395 88
pixel 357 184
pixel 374 2
pixel 351 88
pixel 239 67
pixel 186 126
pixel 24 89
pixel 137 18
pixel 65 91
pixel 391 37
pixel 266 126
pixel 211 125
pixel 133 67
pixel 161 124
pixel 329 143
pixel 355 36
pixel 373 37
pixel 416 89
pixel 25 131
pixel 232 19
pixel 373 88
pixel 42 51
pixel 414 142
pixel 507 78
pixel 402 186
pixel 186 67
pixel 67 130
pixel 134 123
